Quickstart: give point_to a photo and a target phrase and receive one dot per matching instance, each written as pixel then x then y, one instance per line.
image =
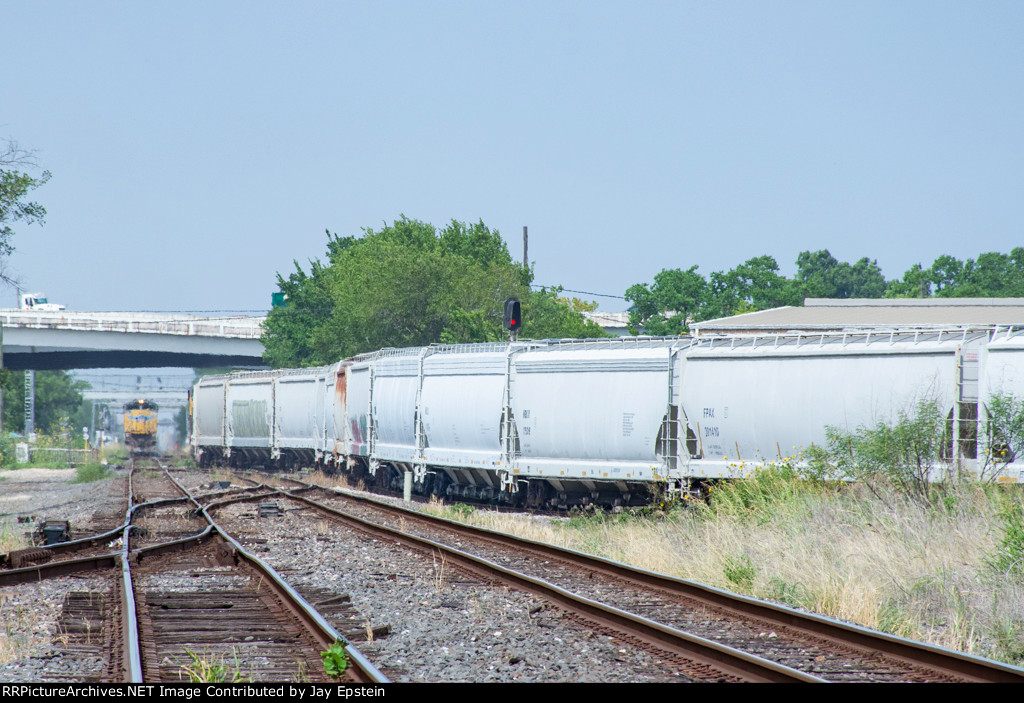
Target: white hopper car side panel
pixel 355 411
pixel 749 406
pixel 590 413
pixel 250 404
pixel 299 412
pixel 1003 373
pixel 395 385
pixel 332 399
pixel 462 405
pixel 208 401
pixel 1004 366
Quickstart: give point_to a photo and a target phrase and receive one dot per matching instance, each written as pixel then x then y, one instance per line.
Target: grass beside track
pixel 949 572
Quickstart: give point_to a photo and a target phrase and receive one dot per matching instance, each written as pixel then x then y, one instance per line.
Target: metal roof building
pixel 614 323
pixel 826 314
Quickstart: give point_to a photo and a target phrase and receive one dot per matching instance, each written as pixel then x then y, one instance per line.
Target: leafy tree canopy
pixel 991 275
pixel 409 284
pixel 820 275
pixel 15 185
pixel 57 395
pixel 679 297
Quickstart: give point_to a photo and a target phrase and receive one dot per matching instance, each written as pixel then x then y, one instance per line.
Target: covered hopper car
pixel 563 422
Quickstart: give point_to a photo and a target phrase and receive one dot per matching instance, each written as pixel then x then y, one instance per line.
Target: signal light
pixel 513 318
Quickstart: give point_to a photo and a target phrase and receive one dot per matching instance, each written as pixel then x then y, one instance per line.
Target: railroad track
pixel 188 593
pixel 817 646
pixel 187 605
pixel 424 618
pixel 201 608
pixel 681 653
pixel 154 507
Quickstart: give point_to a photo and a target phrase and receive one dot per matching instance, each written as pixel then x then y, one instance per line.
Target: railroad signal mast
pixel 512 320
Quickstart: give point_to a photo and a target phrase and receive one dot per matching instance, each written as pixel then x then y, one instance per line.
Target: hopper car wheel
pixel 538 494
pixel 439 484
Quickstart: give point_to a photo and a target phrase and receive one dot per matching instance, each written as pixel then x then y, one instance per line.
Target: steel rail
pixel 54 569
pixel 361 669
pixel 131 659
pixel 69 546
pixel 62 567
pixel 729 661
pixel 975 669
pixel 129 618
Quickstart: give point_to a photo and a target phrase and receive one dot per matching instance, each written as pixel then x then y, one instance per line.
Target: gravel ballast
pixel 419 618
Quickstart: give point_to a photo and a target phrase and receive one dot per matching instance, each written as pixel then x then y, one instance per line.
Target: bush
pixel 766 493
pixel 7 456
pixel 1004 431
pixel 903 454
pixel 92 472
pixel 1009 556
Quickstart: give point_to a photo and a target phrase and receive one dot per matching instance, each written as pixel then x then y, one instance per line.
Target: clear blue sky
pixel 197 148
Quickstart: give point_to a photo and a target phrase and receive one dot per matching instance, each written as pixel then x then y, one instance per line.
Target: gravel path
pixel 47 493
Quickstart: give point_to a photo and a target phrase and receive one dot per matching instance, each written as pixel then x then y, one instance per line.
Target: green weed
pixel 92 472
pixel 893 617
pixel 794 594
pixel 210 669
pixel 740 571
pixel 1009 555
pixel 335 660
pixel 900 455
pixel 461 511
pixel 1008 639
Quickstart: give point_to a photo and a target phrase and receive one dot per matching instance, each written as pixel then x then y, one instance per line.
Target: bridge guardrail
pixel 184 325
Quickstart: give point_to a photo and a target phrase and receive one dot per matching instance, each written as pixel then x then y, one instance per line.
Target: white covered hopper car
pixel 605 421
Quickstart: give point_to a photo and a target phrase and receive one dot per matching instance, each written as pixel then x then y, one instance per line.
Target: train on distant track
pixel 611 422
pixel 140 424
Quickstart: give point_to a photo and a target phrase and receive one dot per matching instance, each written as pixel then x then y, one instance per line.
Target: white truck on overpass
pixel 38 301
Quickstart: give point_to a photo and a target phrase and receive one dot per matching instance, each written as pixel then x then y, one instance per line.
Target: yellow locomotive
pixel 140 426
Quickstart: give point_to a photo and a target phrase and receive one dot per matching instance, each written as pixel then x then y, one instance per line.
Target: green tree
pixel 679 297
pixel 821 275
pixel 57 395
pixel 15 185
pixel 408 285
pixel 916 283
pixel 308 307
pixel 753 285
pixel 552 317
pixel 946 273
pixel 669 305
pixel 991 275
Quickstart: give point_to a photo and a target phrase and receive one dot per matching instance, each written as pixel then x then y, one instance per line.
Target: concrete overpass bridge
pixel 86 340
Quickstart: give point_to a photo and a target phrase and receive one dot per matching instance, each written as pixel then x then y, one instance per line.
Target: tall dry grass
pixel 947 572
pixel 12 535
